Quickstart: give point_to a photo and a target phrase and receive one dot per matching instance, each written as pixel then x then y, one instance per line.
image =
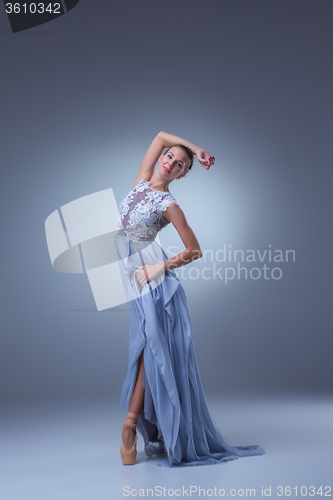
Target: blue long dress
pixel 175 415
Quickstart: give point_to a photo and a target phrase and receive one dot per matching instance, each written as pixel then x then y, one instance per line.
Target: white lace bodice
pixel 141 212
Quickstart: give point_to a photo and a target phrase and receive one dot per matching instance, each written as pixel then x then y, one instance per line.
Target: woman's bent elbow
pixel 197 254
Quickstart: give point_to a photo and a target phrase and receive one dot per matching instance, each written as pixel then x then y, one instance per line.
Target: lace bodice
pixel 141 212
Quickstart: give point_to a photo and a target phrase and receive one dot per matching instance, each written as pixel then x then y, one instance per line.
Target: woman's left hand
pixel 204 158
pixel 149 272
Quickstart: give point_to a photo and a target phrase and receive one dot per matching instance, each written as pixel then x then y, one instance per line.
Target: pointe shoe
pixel 128 456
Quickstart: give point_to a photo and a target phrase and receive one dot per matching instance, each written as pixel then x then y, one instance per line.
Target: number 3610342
pixel 32 8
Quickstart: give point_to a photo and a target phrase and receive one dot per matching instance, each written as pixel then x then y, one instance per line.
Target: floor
pixel 63 451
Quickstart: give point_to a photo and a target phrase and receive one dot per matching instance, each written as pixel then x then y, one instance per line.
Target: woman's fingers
pixel 207 163
pixel 204 163
pixel 141 281
pixel 210 161
pixel 146 273
pixel 141 277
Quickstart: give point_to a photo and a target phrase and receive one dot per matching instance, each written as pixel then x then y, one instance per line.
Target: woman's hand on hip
pixel 204 158
pixel 149 272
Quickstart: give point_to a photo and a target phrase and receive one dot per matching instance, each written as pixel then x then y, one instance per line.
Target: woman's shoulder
pixel 140 186
pixel 142 182
pixel 168 200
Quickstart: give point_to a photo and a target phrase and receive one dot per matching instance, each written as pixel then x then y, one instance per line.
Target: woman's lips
pixel 166 169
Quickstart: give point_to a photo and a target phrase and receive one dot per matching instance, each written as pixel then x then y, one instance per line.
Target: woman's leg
pixel 136 405
pixel 137 399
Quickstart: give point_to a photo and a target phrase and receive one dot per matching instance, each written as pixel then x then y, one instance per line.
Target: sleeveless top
pixel 141 212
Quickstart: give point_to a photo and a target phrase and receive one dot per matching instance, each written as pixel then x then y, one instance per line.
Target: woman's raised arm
pixel 165 140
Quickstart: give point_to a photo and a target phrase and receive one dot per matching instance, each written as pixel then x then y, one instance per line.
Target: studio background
pixel 83 97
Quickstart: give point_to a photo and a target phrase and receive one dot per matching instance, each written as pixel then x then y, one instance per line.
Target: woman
pixel 162 391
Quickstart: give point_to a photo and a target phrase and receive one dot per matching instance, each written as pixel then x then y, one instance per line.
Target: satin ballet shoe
pixel 128 456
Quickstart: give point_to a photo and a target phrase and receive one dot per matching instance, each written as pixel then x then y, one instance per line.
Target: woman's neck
pixel 159 184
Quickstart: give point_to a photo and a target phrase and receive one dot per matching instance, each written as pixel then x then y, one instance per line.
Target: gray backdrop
pixel 83 97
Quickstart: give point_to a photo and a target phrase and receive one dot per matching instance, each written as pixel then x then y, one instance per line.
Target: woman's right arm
pixel 165 140
pixel 150 159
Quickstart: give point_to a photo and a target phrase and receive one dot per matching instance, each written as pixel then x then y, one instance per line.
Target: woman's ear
pixel 183 175
pixel 180 176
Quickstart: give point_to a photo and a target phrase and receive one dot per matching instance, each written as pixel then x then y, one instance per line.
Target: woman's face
pixel 173 164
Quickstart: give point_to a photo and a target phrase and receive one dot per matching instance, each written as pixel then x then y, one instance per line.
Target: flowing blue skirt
pixel 175 413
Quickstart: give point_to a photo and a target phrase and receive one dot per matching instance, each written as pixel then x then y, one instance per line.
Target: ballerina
pixel 162 390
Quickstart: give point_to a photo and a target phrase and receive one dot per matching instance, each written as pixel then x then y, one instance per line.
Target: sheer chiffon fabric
pixel 175 412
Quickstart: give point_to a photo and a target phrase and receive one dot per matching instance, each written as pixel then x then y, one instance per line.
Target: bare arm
pixel 176 216
pixel 161 141
pixel 192 250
